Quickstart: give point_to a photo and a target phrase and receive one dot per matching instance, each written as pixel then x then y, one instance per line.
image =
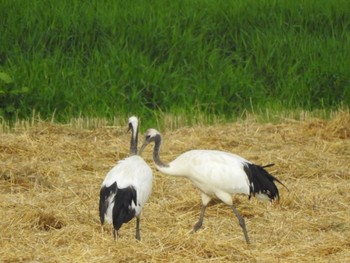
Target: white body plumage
pixel 213 172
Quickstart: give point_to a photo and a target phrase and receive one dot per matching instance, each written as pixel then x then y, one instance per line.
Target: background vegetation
pixel 110 58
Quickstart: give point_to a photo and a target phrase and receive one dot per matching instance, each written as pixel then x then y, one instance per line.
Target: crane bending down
pixel 217 174
pixel 126 187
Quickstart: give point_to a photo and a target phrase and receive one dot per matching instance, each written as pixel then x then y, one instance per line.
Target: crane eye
pixel 148 137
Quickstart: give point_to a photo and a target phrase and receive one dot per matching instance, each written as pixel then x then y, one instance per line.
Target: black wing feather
pixel 105 192
pixel 122 211
pixel 261 181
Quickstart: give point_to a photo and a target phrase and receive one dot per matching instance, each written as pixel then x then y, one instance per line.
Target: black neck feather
pixel 156 150
pixel 133 141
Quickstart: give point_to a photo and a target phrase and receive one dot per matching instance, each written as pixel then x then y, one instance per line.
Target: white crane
pixel 126 187
pixel 217 174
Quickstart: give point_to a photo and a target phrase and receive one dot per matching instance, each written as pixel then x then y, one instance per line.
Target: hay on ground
pixel 50 176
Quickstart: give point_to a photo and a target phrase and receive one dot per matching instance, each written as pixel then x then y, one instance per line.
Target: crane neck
pixel 134 141
pixel 156 150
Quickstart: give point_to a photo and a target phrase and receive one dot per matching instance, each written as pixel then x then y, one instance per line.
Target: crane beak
pixel 129 127
pixel 145 143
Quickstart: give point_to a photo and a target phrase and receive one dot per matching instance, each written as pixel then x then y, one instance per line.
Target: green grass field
pixel 101 59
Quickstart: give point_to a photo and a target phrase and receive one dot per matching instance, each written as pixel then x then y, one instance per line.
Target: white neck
pixel 170 170
pixel 166 168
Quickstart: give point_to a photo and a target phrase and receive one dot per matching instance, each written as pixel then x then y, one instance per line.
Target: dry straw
pixel 50 177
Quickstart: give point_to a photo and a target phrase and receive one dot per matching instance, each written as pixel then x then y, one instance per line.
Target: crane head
pixel 133 123
pixel 151 135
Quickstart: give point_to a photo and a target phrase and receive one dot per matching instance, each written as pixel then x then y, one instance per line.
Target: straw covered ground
pixel 50 176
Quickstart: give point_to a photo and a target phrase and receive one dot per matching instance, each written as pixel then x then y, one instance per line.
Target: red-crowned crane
pixel 217 174
pixel 126 187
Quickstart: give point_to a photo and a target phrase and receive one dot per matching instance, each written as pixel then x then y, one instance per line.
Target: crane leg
pixel 138 237
pixel 205 201
pixel 199 224
pixel 241 223
pixel 115 234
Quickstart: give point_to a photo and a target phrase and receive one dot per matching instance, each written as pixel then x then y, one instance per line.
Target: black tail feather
pixel 105 192
pixel 268 165
pixel 122 211
pixel 272 164
pixel 261 182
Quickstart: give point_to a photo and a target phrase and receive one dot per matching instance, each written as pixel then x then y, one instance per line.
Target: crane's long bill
pixel 145 143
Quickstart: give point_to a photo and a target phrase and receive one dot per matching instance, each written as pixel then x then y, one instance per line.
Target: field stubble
pixel 50 176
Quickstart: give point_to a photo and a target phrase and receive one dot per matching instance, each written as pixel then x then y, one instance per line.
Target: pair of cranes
pixel 217 174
